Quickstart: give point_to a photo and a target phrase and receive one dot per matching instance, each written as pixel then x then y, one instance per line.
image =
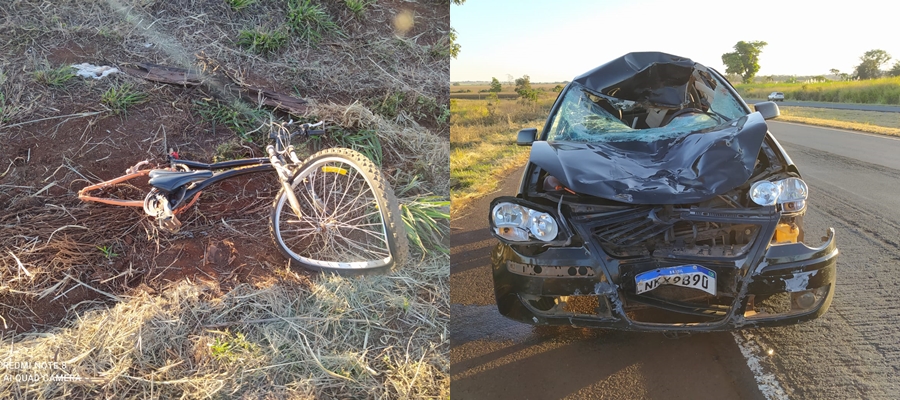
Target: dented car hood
pixel 687 169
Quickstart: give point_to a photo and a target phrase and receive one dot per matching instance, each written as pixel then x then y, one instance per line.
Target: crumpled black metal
pixel 688 169
pixel 649 77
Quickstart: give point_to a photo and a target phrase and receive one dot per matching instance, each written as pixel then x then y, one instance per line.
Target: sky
pixel 553 41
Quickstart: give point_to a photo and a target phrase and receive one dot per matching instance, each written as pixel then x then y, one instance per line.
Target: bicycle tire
pixel 323 240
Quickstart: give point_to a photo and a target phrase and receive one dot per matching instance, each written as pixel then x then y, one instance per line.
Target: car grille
pixel 666 232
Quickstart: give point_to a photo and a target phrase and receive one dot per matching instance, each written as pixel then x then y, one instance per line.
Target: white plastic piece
pixel 93 71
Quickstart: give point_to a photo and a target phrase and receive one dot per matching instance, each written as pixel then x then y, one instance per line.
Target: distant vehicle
pixel 776 96
pixel 654 199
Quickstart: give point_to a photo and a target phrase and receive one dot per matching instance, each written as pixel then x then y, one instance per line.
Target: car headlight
pixel 518 223
pixel 768 193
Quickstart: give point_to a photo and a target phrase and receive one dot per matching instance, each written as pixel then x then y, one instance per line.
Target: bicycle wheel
pixel 349 220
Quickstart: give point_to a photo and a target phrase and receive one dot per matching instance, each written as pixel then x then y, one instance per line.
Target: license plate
pixel 688 276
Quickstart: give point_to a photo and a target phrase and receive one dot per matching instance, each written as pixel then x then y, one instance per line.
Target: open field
pixel 482 140
pixel 125 310
pixel 874 91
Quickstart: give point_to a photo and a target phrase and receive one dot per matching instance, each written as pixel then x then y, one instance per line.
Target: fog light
pixel 805 299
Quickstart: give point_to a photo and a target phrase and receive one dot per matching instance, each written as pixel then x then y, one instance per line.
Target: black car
pixel 655 199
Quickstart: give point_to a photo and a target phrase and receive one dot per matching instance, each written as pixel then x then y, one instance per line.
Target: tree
pixel 495 86
pixel 744 61
pixel 523 88
pixel 895 70
pixel 872 60
pixel 454 47
pixel 835 71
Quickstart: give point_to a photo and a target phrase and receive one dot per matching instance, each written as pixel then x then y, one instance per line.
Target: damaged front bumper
pixel 582 285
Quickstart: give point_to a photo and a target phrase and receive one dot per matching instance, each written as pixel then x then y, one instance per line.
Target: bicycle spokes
pixel 340 220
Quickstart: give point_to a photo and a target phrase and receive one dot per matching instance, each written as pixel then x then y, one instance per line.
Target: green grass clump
pixel 238 5
pixel 427 222
pixel 120 98
pixel 309 21
pixel 240 122
pixel 232 347
pixel 58 77
pixel 262 42
pixel 365 142
pixel 357 7
pixel 390 106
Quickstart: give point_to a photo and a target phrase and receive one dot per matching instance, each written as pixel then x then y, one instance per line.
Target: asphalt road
pixel 853 351
pixel 841 106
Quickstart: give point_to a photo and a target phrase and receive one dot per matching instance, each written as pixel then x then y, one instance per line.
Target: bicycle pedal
pixel 170 224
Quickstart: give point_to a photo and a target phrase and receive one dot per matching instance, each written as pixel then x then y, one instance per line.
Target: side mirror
pixel 768 109
pixel 526 136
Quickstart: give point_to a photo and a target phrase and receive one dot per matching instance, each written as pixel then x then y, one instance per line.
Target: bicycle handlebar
pixel 304 130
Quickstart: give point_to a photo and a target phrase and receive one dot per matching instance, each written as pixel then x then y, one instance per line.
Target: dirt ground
pixel 61 256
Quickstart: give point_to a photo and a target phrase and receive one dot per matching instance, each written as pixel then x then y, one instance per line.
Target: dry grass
pixel 339 338
pixel 483 145
pixel 297 336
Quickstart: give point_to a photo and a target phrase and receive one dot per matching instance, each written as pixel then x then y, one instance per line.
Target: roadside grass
pixel 483 149
pixel 119 98
pixel 238 5
pixel 237 116
pixel 426 219
pixel 332 338
pixel 885 123
pixel 55 77
pixel 872 91
pixel 262 42
pixel 310 21
pixel 357 7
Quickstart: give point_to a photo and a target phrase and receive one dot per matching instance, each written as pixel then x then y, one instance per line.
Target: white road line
pixel 768 383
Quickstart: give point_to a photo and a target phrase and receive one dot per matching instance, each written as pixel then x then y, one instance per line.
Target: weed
pixel 390 106
pixel 426 219
pixel 357 7
pixel 238 5
pixel 241 123
pixel 228 151
pixel 261 42
pixel 442 49
pixel 444 116
pixel 107 252
pixel 364 141
pixel 58 77
pixel 232 347
pixel 309 21
pixel 121 97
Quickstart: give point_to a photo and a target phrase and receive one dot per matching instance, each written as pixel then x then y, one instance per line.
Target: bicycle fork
pixel 284 175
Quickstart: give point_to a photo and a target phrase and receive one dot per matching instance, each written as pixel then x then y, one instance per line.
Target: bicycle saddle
pixel 168 181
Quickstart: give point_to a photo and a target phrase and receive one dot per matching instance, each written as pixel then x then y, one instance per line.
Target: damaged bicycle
pixel 335 211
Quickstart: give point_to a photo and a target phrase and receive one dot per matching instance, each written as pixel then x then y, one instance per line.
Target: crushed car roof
pixel 659 78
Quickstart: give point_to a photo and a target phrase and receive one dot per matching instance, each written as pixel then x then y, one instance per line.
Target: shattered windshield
pixel 587 116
